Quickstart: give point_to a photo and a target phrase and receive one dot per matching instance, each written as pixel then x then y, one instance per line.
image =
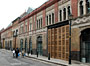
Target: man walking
pixel 17 51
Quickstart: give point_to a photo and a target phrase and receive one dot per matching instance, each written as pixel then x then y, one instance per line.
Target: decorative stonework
pixel 63 1
pixel 81 20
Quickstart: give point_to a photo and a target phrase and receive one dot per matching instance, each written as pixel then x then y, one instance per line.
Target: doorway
pixel 39 45
pixel 21 44
pixel 30 45
pixel 25 44
pixel 85 45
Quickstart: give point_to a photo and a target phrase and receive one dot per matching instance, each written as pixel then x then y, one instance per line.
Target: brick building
pixel 46 30
pixel 6 38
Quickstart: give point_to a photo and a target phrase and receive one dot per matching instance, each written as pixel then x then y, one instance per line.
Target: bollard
pixel 28 53
pixel 31 52
pixel 37 54
pixel 48 56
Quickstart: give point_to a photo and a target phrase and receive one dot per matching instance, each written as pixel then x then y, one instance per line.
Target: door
pixel 26 45
pixel 10 45
pixel 30 45
pixel 21 44
pixel 39 45
pixel 87 51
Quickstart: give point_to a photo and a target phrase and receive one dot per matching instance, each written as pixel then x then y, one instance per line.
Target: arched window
pixel 81 8
pixel 88 6
pixel 47 19
pixel 41 22
pixel 52 18
pixel 60 13
pixel 64 13
pixel 69 11
pixel 37 24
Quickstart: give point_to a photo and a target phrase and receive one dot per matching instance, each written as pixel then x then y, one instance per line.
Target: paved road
pixel 6 59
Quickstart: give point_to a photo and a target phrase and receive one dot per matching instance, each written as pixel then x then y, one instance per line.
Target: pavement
pixel 6 59
pixel 58 61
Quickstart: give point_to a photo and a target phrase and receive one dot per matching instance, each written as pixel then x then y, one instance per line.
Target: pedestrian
pixel 17 51
pixel 22 53
pixel 13 53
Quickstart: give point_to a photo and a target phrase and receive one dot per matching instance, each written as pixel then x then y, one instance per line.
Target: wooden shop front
pixel 58 40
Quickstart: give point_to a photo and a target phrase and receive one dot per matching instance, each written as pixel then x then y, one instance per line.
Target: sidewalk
pixel 58 61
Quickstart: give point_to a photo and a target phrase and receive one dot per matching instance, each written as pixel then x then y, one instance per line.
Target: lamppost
pixel 70 19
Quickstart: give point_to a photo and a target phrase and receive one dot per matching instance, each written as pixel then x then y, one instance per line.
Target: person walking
pixel 13 53
pixel 17 51
pixel 22 53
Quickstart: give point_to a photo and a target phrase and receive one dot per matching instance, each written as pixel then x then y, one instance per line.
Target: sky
pixel 11 9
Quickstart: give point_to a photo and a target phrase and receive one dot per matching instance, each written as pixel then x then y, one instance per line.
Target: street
pixel 6 59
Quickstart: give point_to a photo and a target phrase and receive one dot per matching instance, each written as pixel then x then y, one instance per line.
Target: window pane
pixel 49 19
pixel 64 11
pixel 88 6
pixel 37 24
pixel 81 8
pixel 52 18
pixel 41 22
pixel 60 15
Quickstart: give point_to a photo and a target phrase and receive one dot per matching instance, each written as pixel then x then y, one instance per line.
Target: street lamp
pixel 70 19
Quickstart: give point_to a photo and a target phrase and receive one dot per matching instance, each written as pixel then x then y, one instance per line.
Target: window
pixel 64 13
pixel 88 6
pixel 41 22
pixel 25 28
pixel 52 18
pixel 30 45
pixel 69 11
pixel 30 26
pixel 22 29
pixel 81 8
pixel 49 19
pixel 60 15
pixel 17 32
pixel 13 33
pixel 37 24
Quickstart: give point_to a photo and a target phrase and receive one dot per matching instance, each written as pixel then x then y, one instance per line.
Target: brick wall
pixel 56 11
pixel 44 14
pixel 74 7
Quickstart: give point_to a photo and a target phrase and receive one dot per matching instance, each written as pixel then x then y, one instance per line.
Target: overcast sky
pixel 11 9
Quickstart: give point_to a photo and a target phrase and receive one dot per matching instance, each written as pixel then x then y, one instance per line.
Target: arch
pixel 81 8
pixel 85 44
pixel 25 44
pixel 69 10
pixel 64 13
pixel 30 44
pixel 39 45
pixel 60 15
pixel 88 6
pixel 21 44
pixel 80 2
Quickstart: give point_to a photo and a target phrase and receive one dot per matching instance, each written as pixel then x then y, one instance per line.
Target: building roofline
pixel 15 19
pixel 42 7
pixel 6 29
